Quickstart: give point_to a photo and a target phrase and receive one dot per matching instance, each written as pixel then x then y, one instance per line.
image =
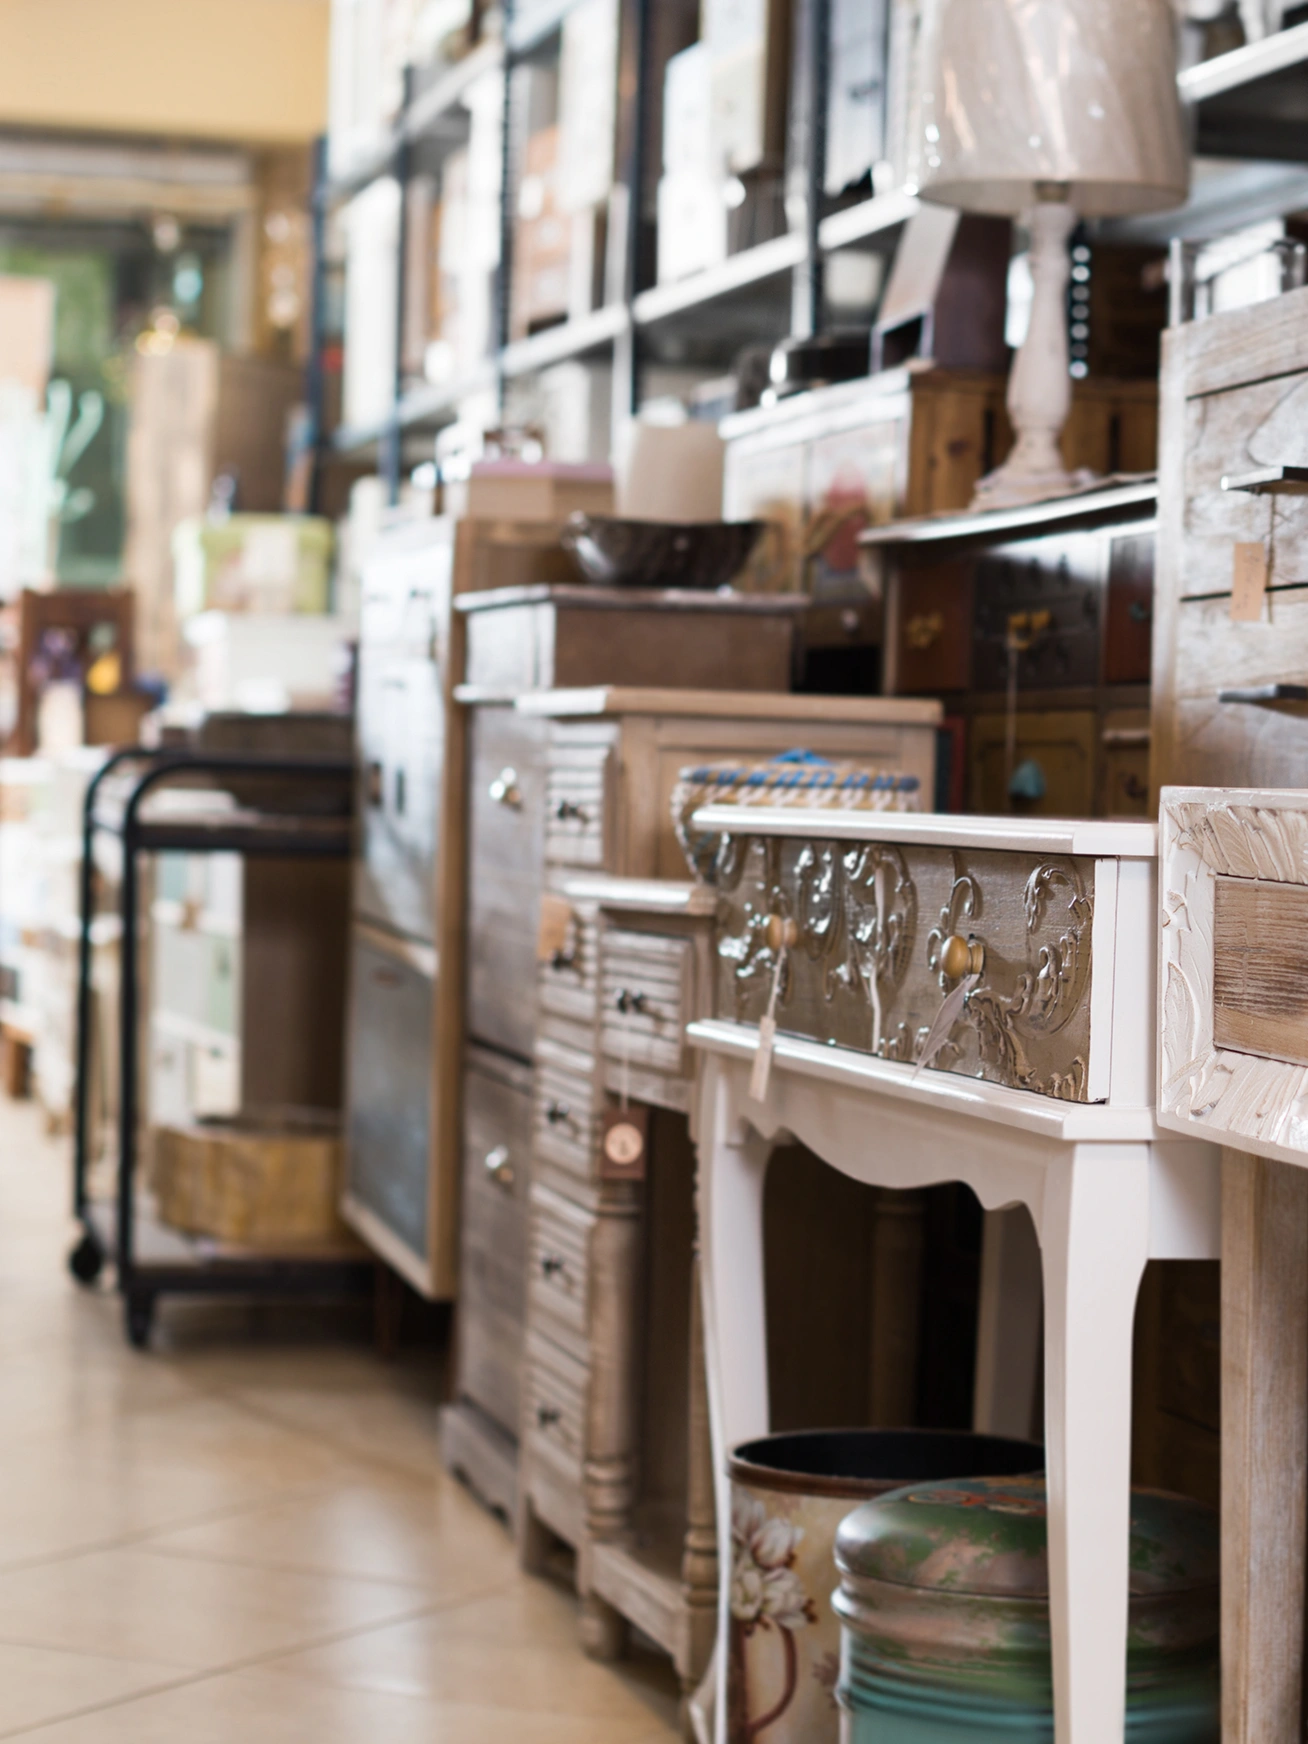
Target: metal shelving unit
pixel 149 1259
pixel 1250 104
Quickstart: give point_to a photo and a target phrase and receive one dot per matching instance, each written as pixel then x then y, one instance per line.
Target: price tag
pixel 554 926
pixel 624 1143
pixel 1249 583
pixel 761 1074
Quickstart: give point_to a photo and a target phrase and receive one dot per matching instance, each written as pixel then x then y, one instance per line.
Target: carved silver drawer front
pixel 1006 932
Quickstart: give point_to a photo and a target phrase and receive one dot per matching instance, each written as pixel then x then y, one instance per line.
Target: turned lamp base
pixel 1039 386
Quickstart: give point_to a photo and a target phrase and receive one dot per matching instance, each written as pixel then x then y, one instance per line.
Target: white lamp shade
pixel 1027 95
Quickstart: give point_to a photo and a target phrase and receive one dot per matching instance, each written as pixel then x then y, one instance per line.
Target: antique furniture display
pixel 1092 128
pixel 973 1000
pixel 281 809
pixel 1234 892
pixel 1034 626
pixel 564 783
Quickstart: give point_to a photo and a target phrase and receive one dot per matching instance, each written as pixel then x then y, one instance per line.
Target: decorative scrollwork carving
pixel 963 905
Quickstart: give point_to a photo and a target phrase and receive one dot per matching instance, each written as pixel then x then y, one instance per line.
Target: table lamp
pixel 1051 110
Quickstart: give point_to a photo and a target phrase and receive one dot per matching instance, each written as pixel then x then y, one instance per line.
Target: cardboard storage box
pixel 258 1179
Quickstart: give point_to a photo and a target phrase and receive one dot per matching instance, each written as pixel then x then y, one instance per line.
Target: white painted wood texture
pixel 1093 837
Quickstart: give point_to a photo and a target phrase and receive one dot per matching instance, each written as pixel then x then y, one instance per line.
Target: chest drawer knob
pixel 781 933
pixel 504 790
pixel 568 811
pixel 565 958
pixel 961 956
pixel 628 1001
pixel 552 1266
pixel 557 1112
pixel 547 1416
pixel 499 1166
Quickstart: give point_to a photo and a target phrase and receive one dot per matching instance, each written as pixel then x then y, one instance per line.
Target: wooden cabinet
pixel 543 638
pixel 1234 389
pixel 583 784
pixel 1045 612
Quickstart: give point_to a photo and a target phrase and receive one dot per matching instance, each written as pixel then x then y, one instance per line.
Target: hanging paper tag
pixel 767 1036
pixel 624 1143
pixel 1249 583
pixel 951 1009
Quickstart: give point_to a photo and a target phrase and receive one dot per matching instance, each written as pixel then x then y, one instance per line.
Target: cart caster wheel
pixel 139 1317
pixel 86 1261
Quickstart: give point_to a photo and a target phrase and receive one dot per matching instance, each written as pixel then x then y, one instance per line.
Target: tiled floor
pixel 246 1534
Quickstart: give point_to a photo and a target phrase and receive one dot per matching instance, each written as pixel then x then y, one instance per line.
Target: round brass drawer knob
pixel 781 932
pixel 960 956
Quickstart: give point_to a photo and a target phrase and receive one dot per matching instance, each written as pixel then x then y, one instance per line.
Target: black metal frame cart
pixel 149 1259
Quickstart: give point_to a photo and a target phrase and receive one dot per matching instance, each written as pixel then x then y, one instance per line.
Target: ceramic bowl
pixel 691 554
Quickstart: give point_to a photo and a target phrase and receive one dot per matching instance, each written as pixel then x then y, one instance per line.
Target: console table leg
pixel 1094 1233
pixel 1264 1447
pixel 732 1164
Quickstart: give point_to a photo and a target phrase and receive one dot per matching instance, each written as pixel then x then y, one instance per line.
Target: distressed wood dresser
pixel 957 999
pixel 543 1422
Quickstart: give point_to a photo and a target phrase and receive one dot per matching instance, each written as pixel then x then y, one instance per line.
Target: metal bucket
pixel 789 1494
pixel 944 1605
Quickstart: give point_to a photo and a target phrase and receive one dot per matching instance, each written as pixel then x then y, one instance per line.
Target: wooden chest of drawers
pixel 569 784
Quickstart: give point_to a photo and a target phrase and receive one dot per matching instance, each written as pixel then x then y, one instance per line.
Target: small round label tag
pixel 623 1144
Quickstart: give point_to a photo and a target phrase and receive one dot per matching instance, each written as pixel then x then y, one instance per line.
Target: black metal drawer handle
pixel 568 811
pixel 627 1002
pixel 552 1266
pixel 557 1112
pixel 564 959
pixel 547 1416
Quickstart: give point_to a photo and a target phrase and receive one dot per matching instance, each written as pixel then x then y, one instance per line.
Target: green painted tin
pixel 944 1608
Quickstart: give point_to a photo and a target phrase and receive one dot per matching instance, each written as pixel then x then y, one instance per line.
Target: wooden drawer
pixel 1058 580
pixel 646 998
pixel 558 1266
pixel 1061 742
pixel 1030 914
pixel 932 628
pixel 569 980
pixel 555 1417
pixel 564 1117
pixel 506 845
pixel 577 803
pixel 496 1173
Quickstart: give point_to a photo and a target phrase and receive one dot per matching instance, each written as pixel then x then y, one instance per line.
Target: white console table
pixel 1107 1190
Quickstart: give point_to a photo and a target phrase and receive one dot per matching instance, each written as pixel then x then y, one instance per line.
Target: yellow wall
pixel 230 69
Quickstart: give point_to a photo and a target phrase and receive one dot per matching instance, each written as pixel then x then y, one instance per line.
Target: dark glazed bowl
pixel 690 554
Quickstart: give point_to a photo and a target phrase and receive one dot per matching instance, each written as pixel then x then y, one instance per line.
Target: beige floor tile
pixel 428 1534
pixel 269 1709
pixel 249 1526
pixel 38 1685
pixel 190 1612
pixel 519 1671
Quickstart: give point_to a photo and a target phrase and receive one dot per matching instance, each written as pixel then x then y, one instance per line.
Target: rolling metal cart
pixel 150 1259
